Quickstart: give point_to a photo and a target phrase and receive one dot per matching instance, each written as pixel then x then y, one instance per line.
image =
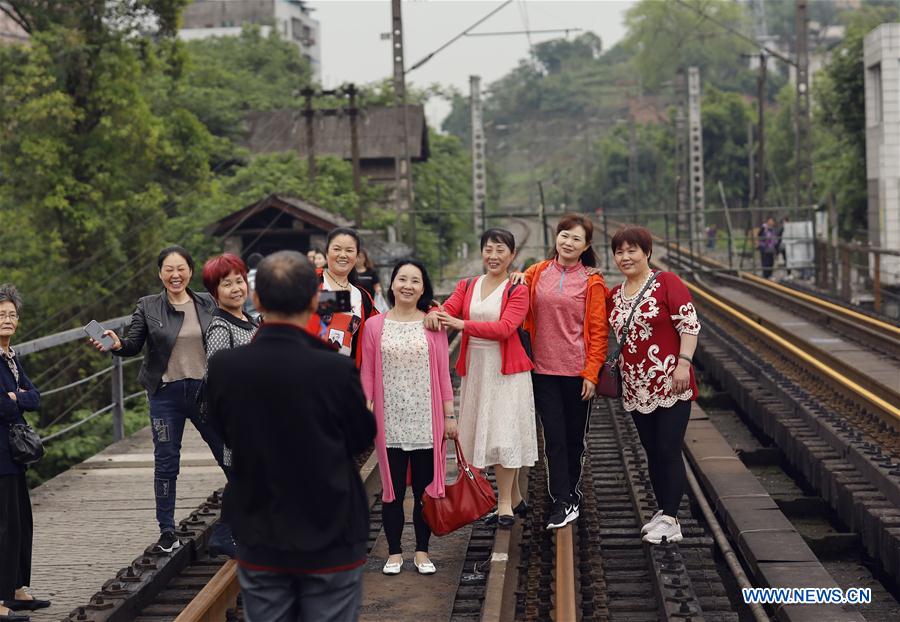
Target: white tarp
pixel 797 239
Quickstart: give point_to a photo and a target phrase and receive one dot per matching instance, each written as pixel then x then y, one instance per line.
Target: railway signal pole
pixel 479 172
pixel 802 136
pixel 695 146
pixel 403 169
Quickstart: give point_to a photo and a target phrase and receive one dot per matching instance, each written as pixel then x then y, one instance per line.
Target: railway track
pixel 598 568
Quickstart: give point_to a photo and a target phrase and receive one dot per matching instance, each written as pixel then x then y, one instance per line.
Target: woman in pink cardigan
pixel 496 404
pixel 406 377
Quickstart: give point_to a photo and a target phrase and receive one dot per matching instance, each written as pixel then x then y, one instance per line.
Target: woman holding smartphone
pixel 343 330
pixel 172 325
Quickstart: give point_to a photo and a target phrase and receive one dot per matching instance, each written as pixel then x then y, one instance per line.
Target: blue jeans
pixel 172 405
pixel 277 597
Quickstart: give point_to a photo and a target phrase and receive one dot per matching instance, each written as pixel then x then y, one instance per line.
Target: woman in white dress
pixel 496 412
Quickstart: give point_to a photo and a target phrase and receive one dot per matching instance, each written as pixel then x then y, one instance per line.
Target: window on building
pixel 877 102
pixel 296 29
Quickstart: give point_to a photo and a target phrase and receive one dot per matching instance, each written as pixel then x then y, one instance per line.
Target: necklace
pixel 625 295
pixel 344 285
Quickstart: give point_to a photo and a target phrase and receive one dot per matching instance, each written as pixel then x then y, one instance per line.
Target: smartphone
pixel 334 302
pixel 95 330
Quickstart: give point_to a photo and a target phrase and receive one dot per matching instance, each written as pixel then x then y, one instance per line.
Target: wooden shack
pixel 276 223
pixel 380 133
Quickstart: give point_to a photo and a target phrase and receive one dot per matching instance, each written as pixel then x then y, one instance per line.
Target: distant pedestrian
pixel 712 233
pixel 406 378
pixel 226 279
pixel 767 243
pixel 567 321
pixel 317 258
pixel 343 330
pixel 496 404
pixel 782 247
pixel 17 396
pixel 294 415
pixel 367 275
pixel 172 324
pixel 656 364
pixel 252 261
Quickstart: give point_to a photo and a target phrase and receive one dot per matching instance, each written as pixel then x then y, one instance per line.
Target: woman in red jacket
pixel 568 326
pixel 496 406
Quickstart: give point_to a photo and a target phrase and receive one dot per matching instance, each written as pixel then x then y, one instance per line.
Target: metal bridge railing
pixel 117 381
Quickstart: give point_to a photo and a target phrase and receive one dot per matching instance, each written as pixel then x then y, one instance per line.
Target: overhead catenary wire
pixel 457 37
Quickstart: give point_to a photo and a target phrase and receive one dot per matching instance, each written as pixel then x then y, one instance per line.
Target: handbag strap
pixel 627 328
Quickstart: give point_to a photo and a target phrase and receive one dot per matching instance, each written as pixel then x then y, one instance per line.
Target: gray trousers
pixel 278 597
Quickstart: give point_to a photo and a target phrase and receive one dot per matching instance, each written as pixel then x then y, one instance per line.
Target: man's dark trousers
pixel 284 597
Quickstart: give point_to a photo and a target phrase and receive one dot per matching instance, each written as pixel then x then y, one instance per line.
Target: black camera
pixel 333 302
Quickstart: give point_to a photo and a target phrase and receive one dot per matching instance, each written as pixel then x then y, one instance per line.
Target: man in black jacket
pixel 294 415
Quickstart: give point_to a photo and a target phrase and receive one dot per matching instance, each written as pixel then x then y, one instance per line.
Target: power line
pixel 737 33
pixel 457 37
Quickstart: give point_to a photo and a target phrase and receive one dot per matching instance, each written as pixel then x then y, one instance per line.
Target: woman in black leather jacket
pixel 172 324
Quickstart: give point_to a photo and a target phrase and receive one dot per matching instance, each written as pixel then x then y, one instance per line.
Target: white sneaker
pixel 425 567
pixel 653 521
pixel 668 529
pixel 392 567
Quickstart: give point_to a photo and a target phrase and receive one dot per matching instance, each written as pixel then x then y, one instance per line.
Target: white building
pixel 882 63
pixel 223 18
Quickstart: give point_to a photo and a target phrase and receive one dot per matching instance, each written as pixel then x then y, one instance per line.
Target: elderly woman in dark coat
pixel 17 395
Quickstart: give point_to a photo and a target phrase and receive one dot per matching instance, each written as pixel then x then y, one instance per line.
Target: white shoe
pixel 668 529
pixel 653 521
pixel 392 567
pixel 425 567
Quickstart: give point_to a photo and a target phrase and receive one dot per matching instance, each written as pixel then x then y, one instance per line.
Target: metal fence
pixel 118 398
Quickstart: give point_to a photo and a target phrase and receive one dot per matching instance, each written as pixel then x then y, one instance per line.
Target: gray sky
pixel 352 50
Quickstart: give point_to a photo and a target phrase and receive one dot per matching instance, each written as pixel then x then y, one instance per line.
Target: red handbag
pixel 466 500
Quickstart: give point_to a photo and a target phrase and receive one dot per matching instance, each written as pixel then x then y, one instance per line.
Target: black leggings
pixel 421 466
pixel 564 419
pixel 15 535
pixel 662 435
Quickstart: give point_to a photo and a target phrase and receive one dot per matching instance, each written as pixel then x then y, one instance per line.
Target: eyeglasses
pixel 11 316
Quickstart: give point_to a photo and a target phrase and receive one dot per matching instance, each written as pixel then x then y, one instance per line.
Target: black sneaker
pixel 167 542
pixel 559 515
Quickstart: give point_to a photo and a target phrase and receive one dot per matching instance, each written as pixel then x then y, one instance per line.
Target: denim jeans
pixel 276 597
pixel 170 407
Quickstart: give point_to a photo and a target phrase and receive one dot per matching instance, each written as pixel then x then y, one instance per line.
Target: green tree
pixel 839 132
pixel 664 36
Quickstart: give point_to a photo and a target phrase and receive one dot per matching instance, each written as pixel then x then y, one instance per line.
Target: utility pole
pixel 760 190
pixel 309 113
pixel 403 170
pixel 695 145
pixel 632 168
pixel 680 156
pixel 479 173
pixel 353 111
pixel 803 144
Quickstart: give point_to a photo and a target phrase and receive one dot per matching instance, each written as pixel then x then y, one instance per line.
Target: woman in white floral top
pixel 658 382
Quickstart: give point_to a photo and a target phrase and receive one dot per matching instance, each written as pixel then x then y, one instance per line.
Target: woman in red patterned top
pixel 658 382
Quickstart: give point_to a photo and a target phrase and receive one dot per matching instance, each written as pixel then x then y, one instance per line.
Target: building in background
pixel 882 65
pixel 292 19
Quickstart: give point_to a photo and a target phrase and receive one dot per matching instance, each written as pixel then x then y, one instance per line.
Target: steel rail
pixel 889 411
pixel 564 581
pixel 844 313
